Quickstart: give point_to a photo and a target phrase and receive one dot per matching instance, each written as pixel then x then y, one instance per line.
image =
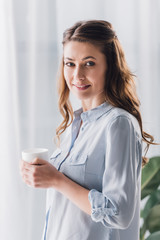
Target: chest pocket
pixel 74 167
pixel 55 158
pixel 78 160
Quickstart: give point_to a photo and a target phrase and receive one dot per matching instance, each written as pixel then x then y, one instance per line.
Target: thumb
pixel 38 161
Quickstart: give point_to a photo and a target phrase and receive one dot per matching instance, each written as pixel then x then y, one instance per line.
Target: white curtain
pixel 30 49
pixel 28 108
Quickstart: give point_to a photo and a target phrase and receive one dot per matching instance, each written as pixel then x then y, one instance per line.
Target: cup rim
pixel 34 151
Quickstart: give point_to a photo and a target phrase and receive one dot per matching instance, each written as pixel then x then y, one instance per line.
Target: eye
pixel 90 63
pixel 69 64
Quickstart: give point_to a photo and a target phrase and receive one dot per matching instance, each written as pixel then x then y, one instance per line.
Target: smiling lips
pixel 81 87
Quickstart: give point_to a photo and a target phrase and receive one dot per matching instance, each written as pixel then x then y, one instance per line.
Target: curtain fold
pixel 30 47
pixel 9 124
pixel 147 68
pixel 28 106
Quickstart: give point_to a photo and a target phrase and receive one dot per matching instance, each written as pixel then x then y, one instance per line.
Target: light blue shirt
pixel 105 156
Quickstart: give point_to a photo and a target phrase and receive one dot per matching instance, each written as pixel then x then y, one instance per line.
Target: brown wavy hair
pixel 120 87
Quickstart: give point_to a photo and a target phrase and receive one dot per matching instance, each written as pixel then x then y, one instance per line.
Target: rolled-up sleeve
pixel 114 206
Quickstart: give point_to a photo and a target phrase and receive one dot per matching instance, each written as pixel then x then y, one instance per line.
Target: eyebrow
pixel 85 58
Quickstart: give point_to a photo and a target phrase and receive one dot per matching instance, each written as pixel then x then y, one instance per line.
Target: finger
pixel 22 163
pixel 25 178
pixel 28 166
pixel 28 177
pixel 31 182
pixel 22 167
pixel 38 161
pixel 27 181
pixel 25 164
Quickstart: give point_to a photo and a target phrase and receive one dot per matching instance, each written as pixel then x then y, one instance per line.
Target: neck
pixel 87 104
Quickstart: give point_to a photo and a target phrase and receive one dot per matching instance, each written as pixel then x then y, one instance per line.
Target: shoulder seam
pixel 129 120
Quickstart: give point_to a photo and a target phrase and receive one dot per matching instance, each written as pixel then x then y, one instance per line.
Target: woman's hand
pixel 39 173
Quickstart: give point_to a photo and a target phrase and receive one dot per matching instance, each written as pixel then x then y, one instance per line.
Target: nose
pixel 79 73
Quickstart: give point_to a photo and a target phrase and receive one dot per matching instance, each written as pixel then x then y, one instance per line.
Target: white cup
pixel 29 155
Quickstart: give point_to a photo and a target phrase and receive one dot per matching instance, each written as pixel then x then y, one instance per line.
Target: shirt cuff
pixel 102 207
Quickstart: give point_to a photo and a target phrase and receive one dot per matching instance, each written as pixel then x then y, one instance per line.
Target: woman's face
pixel 85 71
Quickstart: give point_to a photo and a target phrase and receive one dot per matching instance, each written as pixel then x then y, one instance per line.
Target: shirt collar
pixel 94 113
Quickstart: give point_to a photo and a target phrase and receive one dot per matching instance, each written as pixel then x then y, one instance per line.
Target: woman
pixel 94 176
